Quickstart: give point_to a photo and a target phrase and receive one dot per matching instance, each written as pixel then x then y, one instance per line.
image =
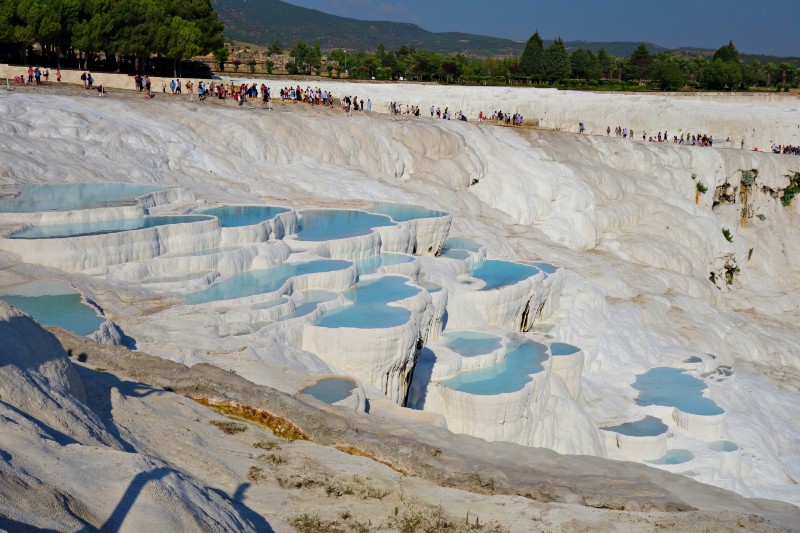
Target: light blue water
pixel 310 302
pixel 498 274
pixel 524 358
pixel 547 268
pixel 461 243
pixel 64 197
pixel 235 216
pixel 472 343
pixel 723 446
pixel 369 310
pixel 404 212
pixel 430 287
pixel 370 265
pixel 672 387
pixel 648 426
pixel 331 224
pixel 561 349
pixel 330 390
pixel 83 229
pixel 673 457
pixel 53 304
pixel 461 255
pixel 261 281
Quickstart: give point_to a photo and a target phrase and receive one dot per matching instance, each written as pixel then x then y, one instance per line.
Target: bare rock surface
pixel 441 461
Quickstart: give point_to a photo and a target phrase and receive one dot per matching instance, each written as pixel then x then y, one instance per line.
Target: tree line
pixel 553 65
pixel 114 31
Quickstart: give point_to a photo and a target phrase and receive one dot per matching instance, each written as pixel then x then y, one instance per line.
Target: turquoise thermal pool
pixel 648 426
pixel 370 265
pixel 83 229
pixel 404 212
pixel 318 225
pixel 498 274
pixel 673 457
pixel 309 302
pixel 330 390
pixel 672 387
pixel 52 303
pixel 235 216
pixel 472 343
pixel 69 196
pixel 523 358
pixel 369 309
pixel 262 281
pixel 559 349
pixel 723 446
pixel 461 243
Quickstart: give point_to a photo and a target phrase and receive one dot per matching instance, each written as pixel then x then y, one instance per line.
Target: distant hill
pixel 262 22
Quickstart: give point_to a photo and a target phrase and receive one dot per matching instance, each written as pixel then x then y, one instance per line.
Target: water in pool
pixel 648 426
pixel 60 231
pixel 559 349
pixel 547 268
pixel 523 358
pixel 472 343
pixel 461 255
pixel 461 243
pixel 331 224
pixel 235 216
pixel 308 302
pixel 52 303
pixel 68 196
pixel 262 281
pixel 369 310
pixel 370 265
pixel 672 387
pixel 673 457
pixel 723 446
pixel 330 390
pixel 498 274
pixel 404 212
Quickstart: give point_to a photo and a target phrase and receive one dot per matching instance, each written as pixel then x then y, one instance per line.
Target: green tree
pixel 606 64
pixel 531 62
pixel 221 55
pixel 728 53
pixel 182 42
pixel 638 65
pixel 585 65
pixel 719 74
pixel 556 62
pixel 274 48
pixel 667 73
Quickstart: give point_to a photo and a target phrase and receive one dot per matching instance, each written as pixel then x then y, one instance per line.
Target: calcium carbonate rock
pixel 74 254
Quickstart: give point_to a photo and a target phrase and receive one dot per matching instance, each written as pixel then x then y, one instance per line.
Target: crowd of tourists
pixel 499 117
pixel 319 96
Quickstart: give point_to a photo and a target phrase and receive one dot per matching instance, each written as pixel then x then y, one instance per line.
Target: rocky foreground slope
pixel 102 437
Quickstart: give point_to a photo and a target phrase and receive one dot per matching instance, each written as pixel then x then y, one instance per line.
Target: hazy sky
pixel 756 26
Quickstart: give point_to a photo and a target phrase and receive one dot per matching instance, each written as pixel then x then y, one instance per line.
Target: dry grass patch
pixel 229 428
pixel 418 518
pixel 278 425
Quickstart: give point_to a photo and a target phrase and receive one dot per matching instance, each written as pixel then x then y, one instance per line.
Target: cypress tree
pixel 532 61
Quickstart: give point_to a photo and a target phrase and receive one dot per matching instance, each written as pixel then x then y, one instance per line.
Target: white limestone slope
pixel 57 454
pixel 624 220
